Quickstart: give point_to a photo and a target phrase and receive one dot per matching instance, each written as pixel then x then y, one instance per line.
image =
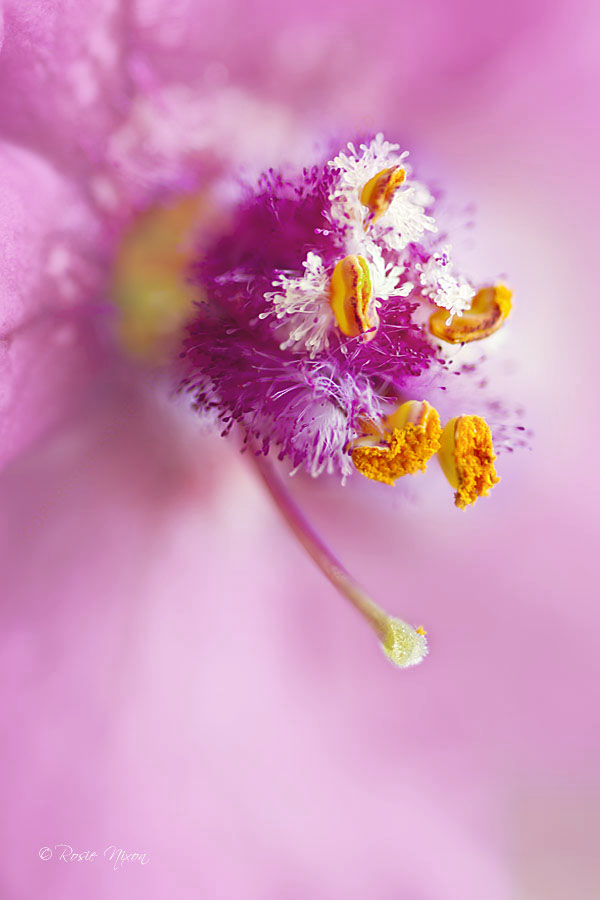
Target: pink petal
pixel 62 83
pixel 46 281
pixel 353 67
pixel 170 650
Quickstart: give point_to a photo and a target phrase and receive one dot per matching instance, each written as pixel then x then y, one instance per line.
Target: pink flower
pixel 177 680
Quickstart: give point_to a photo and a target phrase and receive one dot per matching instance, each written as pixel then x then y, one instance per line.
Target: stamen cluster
pixel 312 322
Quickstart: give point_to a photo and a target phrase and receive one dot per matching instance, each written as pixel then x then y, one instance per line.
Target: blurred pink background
pixel 177 678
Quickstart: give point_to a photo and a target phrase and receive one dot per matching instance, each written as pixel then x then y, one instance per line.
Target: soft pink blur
pixel 177 678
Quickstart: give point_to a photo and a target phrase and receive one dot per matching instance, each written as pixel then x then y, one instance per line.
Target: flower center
pixel 490 307
pixel 379 191
pixel 351 297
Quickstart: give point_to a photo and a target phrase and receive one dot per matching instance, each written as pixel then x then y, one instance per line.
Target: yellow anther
pixel 378 192
pixel 352 298
pixel 467 458
pixel 407 440
pixel 490 307
pixel 420 630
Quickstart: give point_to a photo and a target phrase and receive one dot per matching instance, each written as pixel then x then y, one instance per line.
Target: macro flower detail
pixel 467 458
pixel 175 628
pixel 311 326
pixel 410 438
pixel 490 307
pixel 310 338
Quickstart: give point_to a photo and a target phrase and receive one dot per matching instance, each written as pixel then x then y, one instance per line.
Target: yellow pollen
pixel 467 458
pixel 420 630
pixel 490 307
pixel 150 285
pixel 352 298
pixel 379 191
pixel 410 437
